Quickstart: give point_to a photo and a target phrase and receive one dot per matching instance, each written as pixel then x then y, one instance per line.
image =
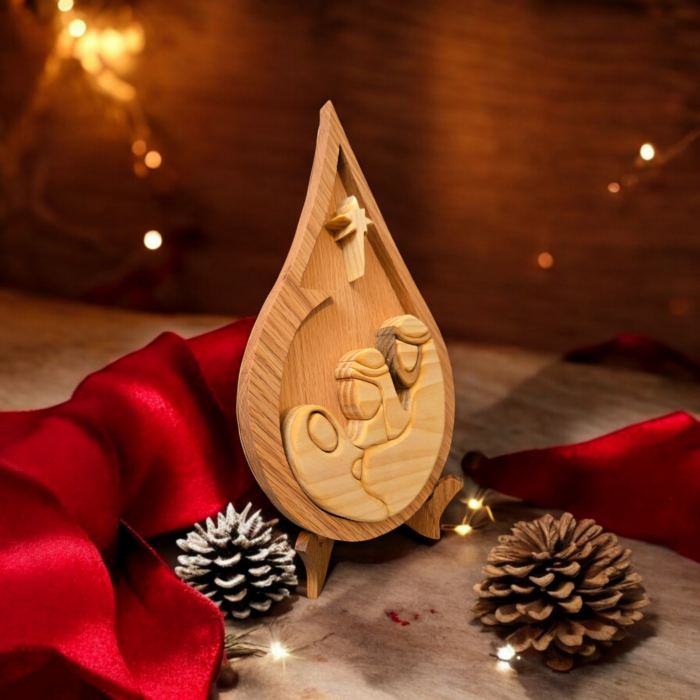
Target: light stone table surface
pixel 345 644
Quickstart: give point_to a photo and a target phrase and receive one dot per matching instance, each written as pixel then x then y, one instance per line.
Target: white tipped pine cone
pixel 566 588
pixel 238 563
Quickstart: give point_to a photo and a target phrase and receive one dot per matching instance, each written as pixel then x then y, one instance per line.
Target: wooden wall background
pixel 489 132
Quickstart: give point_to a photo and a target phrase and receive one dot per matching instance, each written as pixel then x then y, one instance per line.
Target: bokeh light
pixel 647 151
pixel 153 159
pixel 153 240
pixel 545 260
pixel 77 28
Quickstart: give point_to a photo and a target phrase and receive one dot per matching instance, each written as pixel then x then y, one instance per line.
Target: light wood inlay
pixel 359 400
pixel 311 318
pixel 350 225
pixel 396 416
pixel 396 470
pixel 400 342
pixel 327 477
pixel 364 432
pixel 401 439
pixel 407 355
pixel 409 329
pixel 322 432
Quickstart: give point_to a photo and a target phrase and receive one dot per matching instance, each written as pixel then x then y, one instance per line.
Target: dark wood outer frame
pixel 283 313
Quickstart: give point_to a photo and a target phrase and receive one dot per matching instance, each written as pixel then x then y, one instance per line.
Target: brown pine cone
pixel 567 588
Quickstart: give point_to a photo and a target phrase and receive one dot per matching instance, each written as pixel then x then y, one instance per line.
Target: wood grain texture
pixel 311 318
pixel 488 130
pixel 391 417
pixel 52 344
pixel 350 223
pixel 328 478
pixel 322 432
pixel 507 399
pixel 395 471
pixel 376 467
pixel 426 521
pixel 315 552
pixel 400 340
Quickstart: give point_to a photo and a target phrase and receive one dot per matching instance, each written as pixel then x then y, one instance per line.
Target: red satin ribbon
pixel 641 482
pixel 146 446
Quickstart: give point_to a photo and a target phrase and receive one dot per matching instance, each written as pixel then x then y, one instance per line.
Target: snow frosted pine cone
pixel 567 588
pixel 238 562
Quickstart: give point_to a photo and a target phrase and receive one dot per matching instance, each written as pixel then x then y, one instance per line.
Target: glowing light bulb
pixel 614 187
pixel 65 5
pixel 77 28
pixel 463 529
pixel 153 240
pixel 506 653
pixel 112 44
pixel 138 148
pixel 277 651
pixel 474 503
pixel 647 151
pixel 134 39
pixel 153 160
pixel 545 260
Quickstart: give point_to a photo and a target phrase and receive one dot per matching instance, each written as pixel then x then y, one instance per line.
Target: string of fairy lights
pixel 478 514
pixel 647 154
pixel 105 54
pixel 647 163
pixel 106 42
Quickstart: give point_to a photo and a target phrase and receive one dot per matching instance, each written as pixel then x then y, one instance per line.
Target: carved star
pixel 349 226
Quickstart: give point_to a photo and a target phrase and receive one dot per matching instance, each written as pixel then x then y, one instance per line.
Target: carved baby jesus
pixel 394 400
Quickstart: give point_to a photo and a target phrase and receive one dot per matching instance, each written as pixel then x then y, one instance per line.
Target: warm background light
pixel 680 306
pixel 463 529
pixel 112 44
pixel 77 28
pixel 545 260
pixel 153 240
pixel 153 159
pixel 91 63
pixel 647 151
pixel 138 148
pixel 81 123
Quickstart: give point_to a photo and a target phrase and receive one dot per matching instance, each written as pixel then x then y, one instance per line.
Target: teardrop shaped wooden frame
pixel 285 310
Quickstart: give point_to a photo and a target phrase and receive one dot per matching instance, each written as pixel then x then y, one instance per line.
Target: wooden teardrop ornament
pixel 345 398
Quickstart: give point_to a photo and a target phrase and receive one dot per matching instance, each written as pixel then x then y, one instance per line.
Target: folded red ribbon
pixel 641 482
pixel 146 446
